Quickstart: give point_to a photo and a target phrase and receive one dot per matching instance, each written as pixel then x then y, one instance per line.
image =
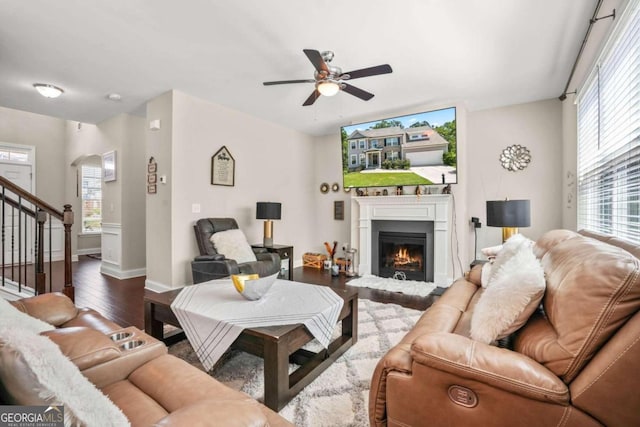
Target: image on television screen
pixel 416 149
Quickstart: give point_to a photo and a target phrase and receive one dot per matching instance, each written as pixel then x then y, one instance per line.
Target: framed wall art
pixel 223 167
pixel 109 166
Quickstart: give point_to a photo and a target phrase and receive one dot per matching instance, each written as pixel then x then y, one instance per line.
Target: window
pixel 362 156
pixel 353 145
pixel 363 144
pixel 374 143
pixel 609 135
pixel 14 155
pixel 354 160
pixel 415 136
pixel 389 142
pixel 91 199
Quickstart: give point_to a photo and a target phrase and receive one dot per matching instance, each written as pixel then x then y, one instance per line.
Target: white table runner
pixel 213 314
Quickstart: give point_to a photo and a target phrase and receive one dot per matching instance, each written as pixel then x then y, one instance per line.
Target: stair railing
pixel 26 223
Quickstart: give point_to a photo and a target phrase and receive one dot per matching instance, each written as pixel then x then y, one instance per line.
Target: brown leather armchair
pixel 210 264
pixel 576 362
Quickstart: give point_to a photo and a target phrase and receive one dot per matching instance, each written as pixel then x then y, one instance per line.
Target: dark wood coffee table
pixel 277 345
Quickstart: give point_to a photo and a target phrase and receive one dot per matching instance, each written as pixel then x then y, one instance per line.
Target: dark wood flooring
pixel 122 300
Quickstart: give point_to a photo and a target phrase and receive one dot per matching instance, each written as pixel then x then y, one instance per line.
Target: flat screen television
pixel 416 149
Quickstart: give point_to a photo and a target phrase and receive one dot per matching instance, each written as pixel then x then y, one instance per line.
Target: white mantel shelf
pixel 428 207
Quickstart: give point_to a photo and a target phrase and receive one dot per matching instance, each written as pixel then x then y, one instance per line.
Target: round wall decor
pixel 515 158
pixel 324 188
pixel 335 186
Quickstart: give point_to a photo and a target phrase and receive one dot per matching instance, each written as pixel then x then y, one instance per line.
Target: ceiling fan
pixel 330 79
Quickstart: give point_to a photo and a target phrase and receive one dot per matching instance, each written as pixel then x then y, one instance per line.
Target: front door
pixel 17 248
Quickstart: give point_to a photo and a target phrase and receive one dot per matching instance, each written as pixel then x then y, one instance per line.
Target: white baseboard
pixel 89 251
pixel 109 270
pixel 74 258
pixel 157 286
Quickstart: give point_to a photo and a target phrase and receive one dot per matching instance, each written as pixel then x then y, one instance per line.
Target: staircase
pixel 26 226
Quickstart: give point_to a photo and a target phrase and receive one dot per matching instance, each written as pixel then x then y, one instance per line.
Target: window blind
pixel 609 135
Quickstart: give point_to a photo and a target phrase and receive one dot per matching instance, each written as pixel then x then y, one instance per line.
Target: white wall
pixel 47 134
pixel 272 164
pixel 123 202
pixel 537 126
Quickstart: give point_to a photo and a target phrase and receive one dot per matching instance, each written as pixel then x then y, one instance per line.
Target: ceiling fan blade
pixel 286 82
pixel 357 92
pixel 316 59
pixel 371 71
pixel 312 98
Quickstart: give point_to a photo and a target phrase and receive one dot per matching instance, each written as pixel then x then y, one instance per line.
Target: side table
pixel 285 252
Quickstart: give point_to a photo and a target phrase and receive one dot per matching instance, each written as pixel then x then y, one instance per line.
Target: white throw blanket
pixel 213 314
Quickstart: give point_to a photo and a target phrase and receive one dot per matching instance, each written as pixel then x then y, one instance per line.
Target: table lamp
pixel 508 214
pixel 268 211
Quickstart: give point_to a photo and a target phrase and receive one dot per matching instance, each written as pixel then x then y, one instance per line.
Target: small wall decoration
pixel 152 177
pixel 324 188
pixel 109 166
pixel 335 187
pixel 338 210
pixel 515 158
pixel 223 168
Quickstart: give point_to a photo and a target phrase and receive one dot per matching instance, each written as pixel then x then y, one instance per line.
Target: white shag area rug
pixel 339 397
pixel 408 287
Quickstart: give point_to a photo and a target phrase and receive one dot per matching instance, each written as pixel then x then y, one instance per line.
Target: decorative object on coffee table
pixel 268 211
pixel 251 286
pixel 515 158
pixel 508 214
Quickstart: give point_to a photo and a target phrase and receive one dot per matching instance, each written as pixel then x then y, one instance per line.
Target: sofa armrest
pixel 85 347
pixel 496 367
pixel 130 359
pixel 214 257
pixel 269 257
pixel 54 308
pixel 475 274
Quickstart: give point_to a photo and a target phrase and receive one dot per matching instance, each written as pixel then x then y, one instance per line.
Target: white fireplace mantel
pixel 428 207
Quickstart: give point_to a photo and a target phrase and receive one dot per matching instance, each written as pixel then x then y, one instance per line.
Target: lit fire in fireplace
pixel 405 261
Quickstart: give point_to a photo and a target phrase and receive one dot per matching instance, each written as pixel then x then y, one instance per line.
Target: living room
pixel 505 91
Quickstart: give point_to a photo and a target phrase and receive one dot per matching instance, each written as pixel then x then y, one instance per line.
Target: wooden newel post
pixel 41 218
pixel 68 222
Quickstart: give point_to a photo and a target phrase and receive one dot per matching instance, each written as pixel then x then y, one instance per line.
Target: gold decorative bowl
pixel 251 286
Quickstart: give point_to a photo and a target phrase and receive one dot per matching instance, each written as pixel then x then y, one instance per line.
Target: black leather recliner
pixel 210 265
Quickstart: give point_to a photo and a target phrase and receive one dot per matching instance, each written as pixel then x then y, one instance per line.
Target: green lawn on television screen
pixel 383 179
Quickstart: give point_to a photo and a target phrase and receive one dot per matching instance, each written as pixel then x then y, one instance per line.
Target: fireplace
pixel 404 249
pixel 402 255
pixel 432 212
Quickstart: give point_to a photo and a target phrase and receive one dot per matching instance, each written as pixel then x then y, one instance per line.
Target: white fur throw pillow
pixel 233 245
pixel 513 293
pixel 36 362
pixel 11 317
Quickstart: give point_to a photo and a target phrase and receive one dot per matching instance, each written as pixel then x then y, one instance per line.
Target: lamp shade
pixel 509 213
pixel 268 210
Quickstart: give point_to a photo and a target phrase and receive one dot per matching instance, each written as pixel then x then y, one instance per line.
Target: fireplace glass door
pixel 402 255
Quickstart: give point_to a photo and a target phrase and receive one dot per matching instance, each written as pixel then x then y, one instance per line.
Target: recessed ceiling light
pixel 48 91
pixel 114 97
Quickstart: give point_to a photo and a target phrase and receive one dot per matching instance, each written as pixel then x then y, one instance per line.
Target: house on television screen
pixel 422 146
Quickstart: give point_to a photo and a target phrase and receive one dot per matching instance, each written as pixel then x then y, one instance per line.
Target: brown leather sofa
pixel 576 362
pixel 150 386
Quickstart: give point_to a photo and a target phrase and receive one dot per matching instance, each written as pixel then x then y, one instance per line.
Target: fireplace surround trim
pixel 434 208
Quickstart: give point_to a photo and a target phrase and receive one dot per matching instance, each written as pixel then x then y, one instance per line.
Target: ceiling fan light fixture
pixel 328 88
pixel 48 91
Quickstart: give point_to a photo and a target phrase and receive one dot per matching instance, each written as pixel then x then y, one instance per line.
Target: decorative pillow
pixel 512 295
pixel 491 251
pixel 11 317
pixel 508 250
pixel 38 373
pixel 233 245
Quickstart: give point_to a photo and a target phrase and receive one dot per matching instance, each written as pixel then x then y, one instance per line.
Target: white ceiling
pixel 485 53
